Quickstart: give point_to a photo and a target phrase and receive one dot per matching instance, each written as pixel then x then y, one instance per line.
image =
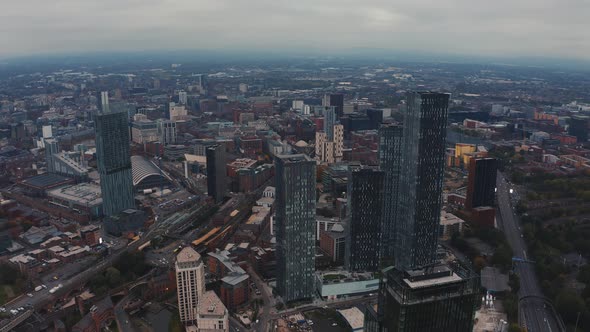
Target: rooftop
pixel 187 254
pixel 87 194
pixel 211 305
pixel 46 180
pixel 355 318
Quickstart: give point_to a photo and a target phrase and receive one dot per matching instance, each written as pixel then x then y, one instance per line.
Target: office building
pixel 166 131
pixel 481 183
pixel 390 156
pixel 144 131
pixel 102 100
pixel 295 226
pixel 437 298
pixel 216 172
pixel 114 162
pixel 363 243
pixel 578 127
pixel 421 180
pixel 336 100
pixel 51 149
pixel 190 284
pixel 182 97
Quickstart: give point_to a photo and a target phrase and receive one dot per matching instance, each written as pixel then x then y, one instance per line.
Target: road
pixel 123 320
pixel 535 312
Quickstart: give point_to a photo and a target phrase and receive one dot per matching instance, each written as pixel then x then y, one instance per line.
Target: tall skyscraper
pixel 51 148
pixel 166 131
pixel 481 183
pixel 437 298
pixel 421 180
pixel 190 284
pixel 363 243
pixel 337 100
pixel 102 101
pixel 295 224
pixel 216 172
pixel 330 120
pixel 390 156
pixel 114 162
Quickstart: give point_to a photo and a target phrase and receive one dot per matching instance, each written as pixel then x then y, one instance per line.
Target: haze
pixel 491 28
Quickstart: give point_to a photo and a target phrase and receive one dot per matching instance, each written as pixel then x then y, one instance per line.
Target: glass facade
pixel 295 223
pixel 390 156
pixel 114 162
pixel 216 172
pixel 363 243
pixel 481 183
pixel 330 120
pixel 421 180
pixel 441 298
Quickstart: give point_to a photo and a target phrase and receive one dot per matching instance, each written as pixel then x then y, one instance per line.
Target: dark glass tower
pixel 578 126
pixel 295 222
pixel 337 100
pixel 113 159
pixel 438 298
pixel 363 242
pixel 390 156
pixel 481 183
pixel 216 172
pixel 421 180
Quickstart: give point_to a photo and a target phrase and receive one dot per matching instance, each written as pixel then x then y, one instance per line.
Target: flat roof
pixel 45 180
pixel 87 194
pixel 433 282
pixel 210 304
pixel 354 316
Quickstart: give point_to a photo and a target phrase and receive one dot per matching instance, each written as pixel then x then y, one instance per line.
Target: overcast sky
pixel 552 28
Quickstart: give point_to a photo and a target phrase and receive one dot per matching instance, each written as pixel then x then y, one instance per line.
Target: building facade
pixel 190 284
pixel 481 183
pixel 390 157
pixel 216 172
pixel 421 181
pixel 295 223
pixel 114 162
pixel 363 243
pixel 439 298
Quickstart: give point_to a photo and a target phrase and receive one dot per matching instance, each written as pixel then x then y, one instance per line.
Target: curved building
pixel 146 175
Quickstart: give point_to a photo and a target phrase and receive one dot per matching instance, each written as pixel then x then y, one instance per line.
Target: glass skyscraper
pixel 216 172
pixel 421 179
pixel 114 162
pixel 390 156
pixel 363 226
pixel 295 223
pixel 437 298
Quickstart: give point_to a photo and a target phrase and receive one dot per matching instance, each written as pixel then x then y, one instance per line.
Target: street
pixel 535 312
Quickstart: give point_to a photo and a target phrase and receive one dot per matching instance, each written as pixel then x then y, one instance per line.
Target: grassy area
pixel 6 293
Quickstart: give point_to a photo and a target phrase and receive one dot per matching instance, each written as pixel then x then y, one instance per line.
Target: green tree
pixel 569 304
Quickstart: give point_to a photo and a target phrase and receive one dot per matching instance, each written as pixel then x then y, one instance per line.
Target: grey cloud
pixel 499 27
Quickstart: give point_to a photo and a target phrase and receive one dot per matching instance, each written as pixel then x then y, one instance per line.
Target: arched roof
pixel 141 168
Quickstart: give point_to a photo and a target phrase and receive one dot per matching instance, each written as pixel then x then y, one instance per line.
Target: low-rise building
pixel 235 290
pixel 332 285
pixel 333 242
pixel 83 198
pixel 450 224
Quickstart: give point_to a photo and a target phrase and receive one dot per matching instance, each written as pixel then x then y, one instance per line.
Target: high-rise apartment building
pixel 579 127
pixel 114 161
pixel 182 97
pixel 363 243
pixel 216 172
pixel 330 150
pixel 481 183
pixel 190 284
pixel 390 156
pixel 295 226
pixel 330 120
pixel 421 179
pixel 437 298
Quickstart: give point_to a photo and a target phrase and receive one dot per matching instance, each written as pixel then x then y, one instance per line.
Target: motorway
pixel 535 312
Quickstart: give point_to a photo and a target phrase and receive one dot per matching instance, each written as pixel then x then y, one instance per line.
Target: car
pixel 334 324
pixel 29 295
pixel 55 277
